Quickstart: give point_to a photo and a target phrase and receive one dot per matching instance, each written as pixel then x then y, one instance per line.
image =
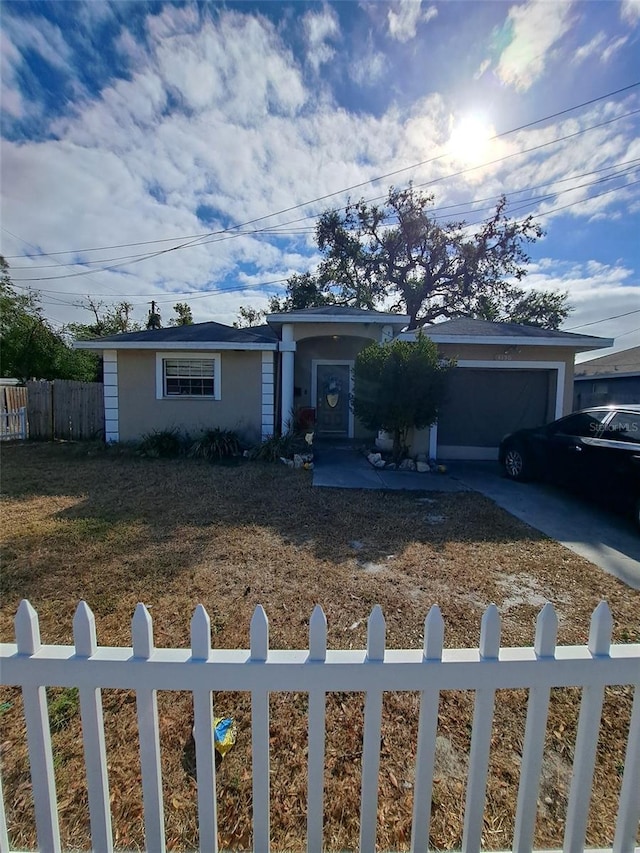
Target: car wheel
pixel 516 466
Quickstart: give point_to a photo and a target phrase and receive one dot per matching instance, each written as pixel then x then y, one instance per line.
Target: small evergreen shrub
pixel 216 444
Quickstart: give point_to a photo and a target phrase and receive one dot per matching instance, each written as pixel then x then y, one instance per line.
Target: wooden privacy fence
pixel 317 671
pixel 65 409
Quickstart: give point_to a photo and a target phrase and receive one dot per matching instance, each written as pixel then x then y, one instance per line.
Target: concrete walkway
pixel 610 541
pixel 343 467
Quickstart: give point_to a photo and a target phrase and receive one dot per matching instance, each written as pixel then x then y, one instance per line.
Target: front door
pixel 332 399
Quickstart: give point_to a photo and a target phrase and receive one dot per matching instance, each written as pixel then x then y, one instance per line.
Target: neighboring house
pixel 255 379
pixel 613 378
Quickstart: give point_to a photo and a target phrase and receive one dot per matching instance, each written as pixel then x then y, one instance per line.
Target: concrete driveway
pixel 608 540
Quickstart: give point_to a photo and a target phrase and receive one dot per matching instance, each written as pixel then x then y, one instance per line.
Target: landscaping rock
pixel 380 463
pixel 407 465
pixel 390 466
pixel 374 457
pixel 298 461
pixel 287 462
pixel 422 467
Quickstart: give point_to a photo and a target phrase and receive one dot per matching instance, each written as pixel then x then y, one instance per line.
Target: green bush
pixel 161 444
pixel 215 444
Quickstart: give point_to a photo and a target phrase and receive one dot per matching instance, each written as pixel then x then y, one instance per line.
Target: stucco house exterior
pixel 255 379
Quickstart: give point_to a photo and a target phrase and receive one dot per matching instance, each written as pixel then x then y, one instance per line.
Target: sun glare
pixel 470 141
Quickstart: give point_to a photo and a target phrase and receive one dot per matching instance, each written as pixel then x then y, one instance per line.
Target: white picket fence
pixel 317 671
pixel 13 425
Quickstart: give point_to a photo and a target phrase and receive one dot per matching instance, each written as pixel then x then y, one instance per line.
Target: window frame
pixel 194 355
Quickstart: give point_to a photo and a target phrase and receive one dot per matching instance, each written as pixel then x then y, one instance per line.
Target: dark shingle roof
pixel 484 328
pixel 198 332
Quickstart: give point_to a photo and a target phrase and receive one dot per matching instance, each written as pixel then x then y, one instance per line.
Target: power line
pixel 604 320
pixel 434 210
pixel 193 243
pixel 630 332
pixel 193 238
pixel 198 294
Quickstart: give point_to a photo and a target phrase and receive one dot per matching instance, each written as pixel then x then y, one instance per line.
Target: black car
pixel 595 451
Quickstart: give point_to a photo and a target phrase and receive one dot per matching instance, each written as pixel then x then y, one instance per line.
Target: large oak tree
pixel 400 255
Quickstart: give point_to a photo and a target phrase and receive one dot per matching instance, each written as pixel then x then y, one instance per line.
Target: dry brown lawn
pixel 116 530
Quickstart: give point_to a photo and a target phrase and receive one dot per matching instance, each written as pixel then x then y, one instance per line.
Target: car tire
pixel 516 463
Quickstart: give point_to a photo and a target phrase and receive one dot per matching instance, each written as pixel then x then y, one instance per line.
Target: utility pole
pixel 154 321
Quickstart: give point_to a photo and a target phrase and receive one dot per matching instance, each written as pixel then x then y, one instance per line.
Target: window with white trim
pixel 187 376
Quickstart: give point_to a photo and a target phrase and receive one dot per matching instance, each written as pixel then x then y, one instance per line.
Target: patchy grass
pixel 117 530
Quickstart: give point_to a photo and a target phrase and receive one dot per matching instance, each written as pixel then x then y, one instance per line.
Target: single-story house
pixel 613 378
pixel 255 379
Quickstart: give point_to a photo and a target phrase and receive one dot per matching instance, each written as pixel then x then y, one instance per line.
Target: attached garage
pixel 483 405
pixel 507 377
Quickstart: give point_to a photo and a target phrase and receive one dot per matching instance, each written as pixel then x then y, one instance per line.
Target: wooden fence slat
pixel 39 410
pixel 38 737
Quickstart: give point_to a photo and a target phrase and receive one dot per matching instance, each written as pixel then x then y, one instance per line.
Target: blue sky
pixel 132 122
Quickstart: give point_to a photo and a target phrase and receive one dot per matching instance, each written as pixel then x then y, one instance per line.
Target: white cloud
pixel 405 15
pixel 319 29
pixel 10 95
pixel 484 66
pixel 596 290
pixel 613 46
pixel 248 137
pixel 369 68
pixel 587 50
pixel 536 26
pixel 41 36
pixel 630 11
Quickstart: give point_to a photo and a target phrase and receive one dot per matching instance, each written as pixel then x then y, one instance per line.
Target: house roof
pixel 623 363
pixel 193 336
pixel 338 314
pixel 466 330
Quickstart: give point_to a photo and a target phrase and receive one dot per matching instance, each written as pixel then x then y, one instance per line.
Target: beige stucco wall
pixel 301 331
pixel 239 407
